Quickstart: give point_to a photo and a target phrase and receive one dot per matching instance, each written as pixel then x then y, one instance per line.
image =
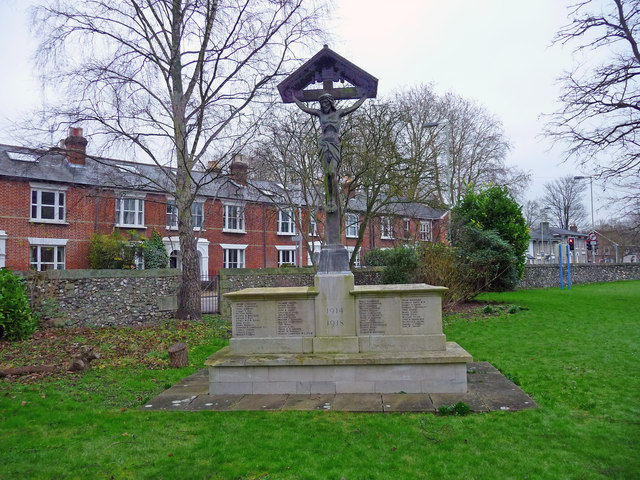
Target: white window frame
pixel 425 231
pixel 59 247
pixel 138 211
pixel 291 250
pixel 357 262
pixel 351 225
pixel 313 226
pixel 227 248
pixel 228 220
pixel 386 228
pixel 59 204
pixel 286 217
pixel 3 248
pixel 314 249
pixel 406 227
pixel 172 214
pixel 197 218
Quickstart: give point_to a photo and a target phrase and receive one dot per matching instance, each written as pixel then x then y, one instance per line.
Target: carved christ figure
pixel 329 141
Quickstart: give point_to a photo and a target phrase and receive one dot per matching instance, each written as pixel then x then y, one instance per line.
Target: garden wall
pixel 104 297
pixel 539 276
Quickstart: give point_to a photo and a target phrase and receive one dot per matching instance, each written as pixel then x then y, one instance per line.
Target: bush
pixel 400 264
pixel 155 255
pixel 376 257
pixel 114 251
pixel 492 209
pixel 16 320
pixel 491 259
pixel 440 265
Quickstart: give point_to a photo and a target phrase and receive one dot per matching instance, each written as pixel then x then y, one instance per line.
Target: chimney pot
pixel 76 146
pixel 239 172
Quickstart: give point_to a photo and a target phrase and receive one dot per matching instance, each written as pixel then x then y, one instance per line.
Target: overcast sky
pixel 497 52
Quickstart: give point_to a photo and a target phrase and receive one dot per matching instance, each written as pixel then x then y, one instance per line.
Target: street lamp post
pixel 448 152
pixel 545 211
pixel 590 178
pixel 593 225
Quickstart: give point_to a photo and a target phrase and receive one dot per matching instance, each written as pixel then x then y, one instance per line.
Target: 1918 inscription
pixel 370 317
pixel 413 312
pixel 246 319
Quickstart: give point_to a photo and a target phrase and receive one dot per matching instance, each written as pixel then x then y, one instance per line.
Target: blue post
pixel 568 269
pixel 560 262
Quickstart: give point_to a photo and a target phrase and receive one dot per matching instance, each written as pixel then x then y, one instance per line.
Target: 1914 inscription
pixel 246 319
pixel 371 320
pixel 413 312
pixel 290 321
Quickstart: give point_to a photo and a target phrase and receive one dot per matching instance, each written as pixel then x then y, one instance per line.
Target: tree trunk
pixel 178 355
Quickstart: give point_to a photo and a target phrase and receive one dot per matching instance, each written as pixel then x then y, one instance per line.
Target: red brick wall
pixel 92 210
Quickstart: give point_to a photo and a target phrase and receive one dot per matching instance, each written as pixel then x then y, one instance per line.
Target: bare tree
pixel 419 144
pixel 600 113
pixel 563 198
pixel 450 143
pixel 532 212
pixel 176 82
pixel 287 155
pixel 375 174
pixel 477 147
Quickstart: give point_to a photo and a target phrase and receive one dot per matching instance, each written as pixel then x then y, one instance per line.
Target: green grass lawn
pixel 575 351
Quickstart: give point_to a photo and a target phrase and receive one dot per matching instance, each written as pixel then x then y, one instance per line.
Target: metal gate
pixel 209 294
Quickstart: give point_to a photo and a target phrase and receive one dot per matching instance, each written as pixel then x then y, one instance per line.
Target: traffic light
pixel 571 243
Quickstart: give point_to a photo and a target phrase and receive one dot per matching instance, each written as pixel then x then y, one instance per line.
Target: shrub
pixel 155 255
pixel 400 264
pixel 16 320
pixel 491 259
pixel 440 265
pixel 376 257
pixel 493 209
pixel 114 251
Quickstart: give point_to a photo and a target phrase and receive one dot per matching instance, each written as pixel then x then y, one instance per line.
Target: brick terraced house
pixel 53 201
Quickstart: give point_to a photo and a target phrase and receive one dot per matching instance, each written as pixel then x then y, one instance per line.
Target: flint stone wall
pixel 540 276
pixel 93 298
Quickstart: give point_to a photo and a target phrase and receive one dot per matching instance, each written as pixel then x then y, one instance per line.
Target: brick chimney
pixel 214 167
pixel 76 146
pixel 347 185
pixel 239 172
pixel 573 227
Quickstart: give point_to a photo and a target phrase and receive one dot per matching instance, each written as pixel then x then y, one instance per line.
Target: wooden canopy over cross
pixel 327 67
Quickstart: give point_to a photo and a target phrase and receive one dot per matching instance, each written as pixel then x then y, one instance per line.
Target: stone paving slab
pixel 259 402
pixel 357 402
pixel 309 402
pixel 488 390
pixel 217 403
pixel 407 402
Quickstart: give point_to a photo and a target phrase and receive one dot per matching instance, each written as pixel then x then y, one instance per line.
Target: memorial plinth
pixel 338 338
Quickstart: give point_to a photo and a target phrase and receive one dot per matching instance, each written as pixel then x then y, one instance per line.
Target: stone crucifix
pixel 327 67
pixel 329 142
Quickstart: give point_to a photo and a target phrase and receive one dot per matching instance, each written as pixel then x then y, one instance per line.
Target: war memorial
pixel 336 337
